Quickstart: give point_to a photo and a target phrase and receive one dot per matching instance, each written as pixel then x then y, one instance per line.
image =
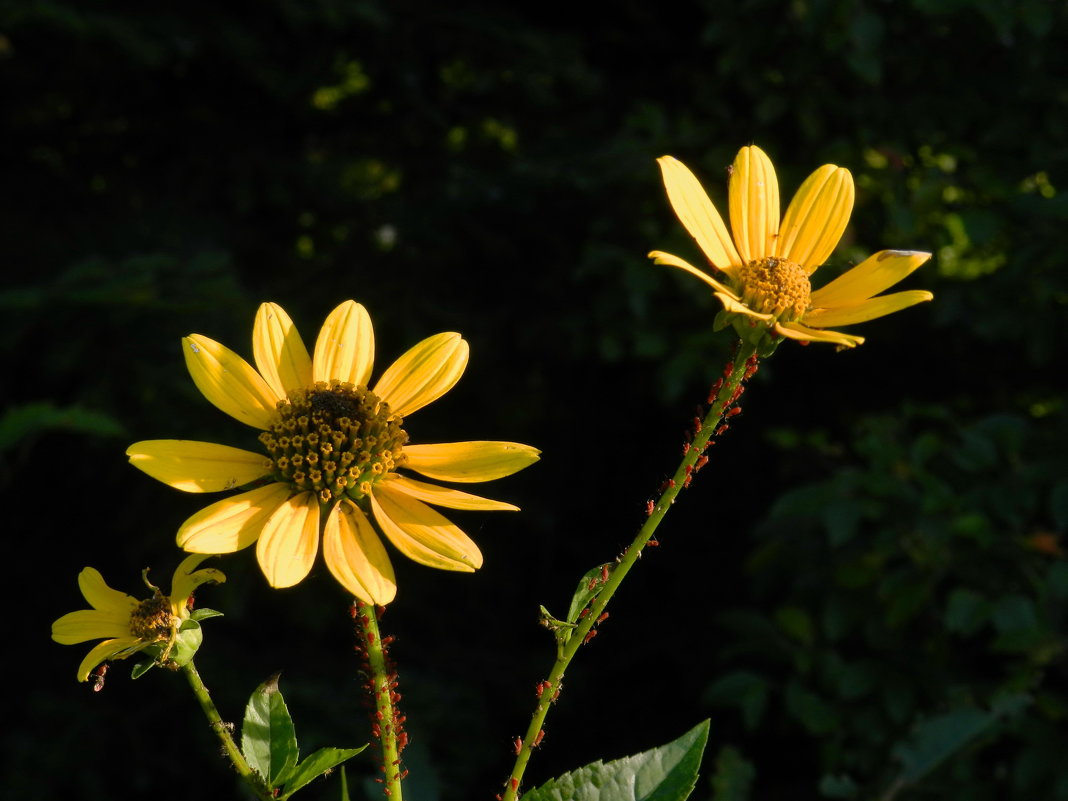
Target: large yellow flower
pixel 767 264
pixel 129 625
pixel 334 449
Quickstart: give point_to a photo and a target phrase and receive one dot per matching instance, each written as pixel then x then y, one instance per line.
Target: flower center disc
pixel 335 440
pixel 776 286
pixel 152 619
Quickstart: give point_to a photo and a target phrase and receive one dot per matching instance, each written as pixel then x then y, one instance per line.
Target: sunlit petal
pixel 187 578
pixel 197 466
pixel 103 651
pixel 868 309
pixel 422 534
pixel 697 214
pixel 446 496
pixel 423 374
pixel 229 382
pixel 91 624
pixel 754 204
pixel 659 257
pixel 869 278
pixel 803 333
pixel 289 541
pixel 279 351
pixel 345 348
pixel 469 461
pixel 233 523
pixel 817 217
pixel 100 595
pixel 355 556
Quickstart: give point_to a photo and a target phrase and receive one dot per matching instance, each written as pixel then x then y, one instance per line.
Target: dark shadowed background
pixel 865 589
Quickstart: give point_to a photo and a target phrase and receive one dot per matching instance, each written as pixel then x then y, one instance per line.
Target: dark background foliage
pixel 866 588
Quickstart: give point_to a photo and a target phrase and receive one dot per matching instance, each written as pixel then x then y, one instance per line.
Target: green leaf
pixel 668 773
pixel 734 776
pixel 966 611
pixel 588 587
pixel 938 738
pixel 21 422
pixel 744 689
pixel 268 739
pixel 315 765
pixel 809 709
pixel 796 623
pixel 837 786
pixel 204 614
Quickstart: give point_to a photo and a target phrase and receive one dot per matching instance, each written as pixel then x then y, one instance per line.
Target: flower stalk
pixel 387 723
pixel 222 731
pixel 722 404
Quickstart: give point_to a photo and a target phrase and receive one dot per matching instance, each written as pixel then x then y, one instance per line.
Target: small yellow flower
pixel 767 264
pixel 127 624
pixel 334 451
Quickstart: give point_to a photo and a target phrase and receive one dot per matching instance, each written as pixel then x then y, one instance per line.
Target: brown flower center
pixel 775 286
pixel 335 439
pixel 152 619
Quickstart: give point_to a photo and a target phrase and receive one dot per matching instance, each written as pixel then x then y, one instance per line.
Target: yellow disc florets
pixel 152 619
pixel 775 286
pixel 335 440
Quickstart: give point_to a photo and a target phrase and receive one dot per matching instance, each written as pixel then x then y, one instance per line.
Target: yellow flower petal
pixel 91 624
pixel 229 382
pixel 816 217
pixel 280 355
pixel 868 309
pixel 659 257
pixel 697 214
pixel 479 460
pixel 197 466
pixel 100 596
pixel 105 650
pixel 187 578
pixel 233 523
pixel 422 534
pixel 754 204
pixel 355 556
pixel 289 541
pixel 876 273
pixel 345 348
pixel 423 374
pixel 803 333
pixel 445 496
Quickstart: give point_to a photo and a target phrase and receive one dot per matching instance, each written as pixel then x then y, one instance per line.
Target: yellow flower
pixel 767 265
pixel 127 624
pixel 334 450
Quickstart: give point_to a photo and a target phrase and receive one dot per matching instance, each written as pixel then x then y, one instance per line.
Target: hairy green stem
pixel 381 684
pixel 548 689
pixel 222 731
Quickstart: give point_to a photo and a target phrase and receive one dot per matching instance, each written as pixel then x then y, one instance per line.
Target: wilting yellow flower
pixel 127 624
pixel 334 451
pixel 767 265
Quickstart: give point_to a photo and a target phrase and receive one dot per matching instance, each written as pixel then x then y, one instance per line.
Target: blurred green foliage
pixel 878 605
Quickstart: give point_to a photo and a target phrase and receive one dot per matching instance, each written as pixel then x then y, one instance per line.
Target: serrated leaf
pixel 667 773
pixel 315 765
pixel 268 739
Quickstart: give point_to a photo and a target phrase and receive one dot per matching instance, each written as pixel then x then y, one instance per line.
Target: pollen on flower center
pixel 335 439
pixel 775 286
pixel 152 619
